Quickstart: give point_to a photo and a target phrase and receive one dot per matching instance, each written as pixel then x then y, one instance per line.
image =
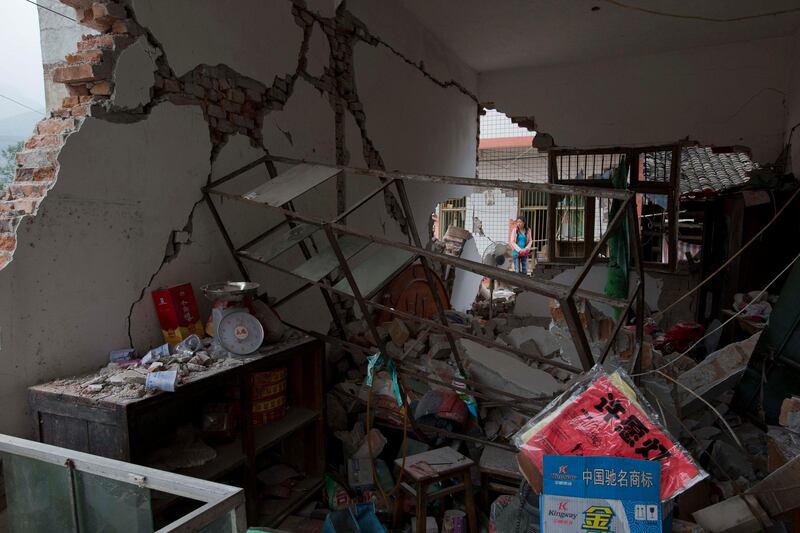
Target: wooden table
pixel 129 429
pixel 426 468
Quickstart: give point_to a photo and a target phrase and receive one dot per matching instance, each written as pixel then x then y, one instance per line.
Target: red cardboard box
pixel 177 312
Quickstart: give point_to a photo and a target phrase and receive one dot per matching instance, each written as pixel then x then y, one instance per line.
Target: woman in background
pixel 521 243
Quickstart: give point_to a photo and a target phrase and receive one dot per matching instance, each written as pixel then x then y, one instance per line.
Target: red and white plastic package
pixel 606 415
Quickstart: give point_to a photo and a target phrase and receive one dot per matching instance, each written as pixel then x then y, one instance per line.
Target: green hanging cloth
pixel 619 246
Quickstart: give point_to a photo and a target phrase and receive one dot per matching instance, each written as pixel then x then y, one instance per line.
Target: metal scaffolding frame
pixel 278 191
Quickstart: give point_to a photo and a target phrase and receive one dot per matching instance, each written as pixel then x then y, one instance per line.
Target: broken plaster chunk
pixel 440 349
pixel 394 351
pixel 156 366
pixel 398 331
pixel 790 413
pixel 192 367
pixel 503 371
pixel 95 387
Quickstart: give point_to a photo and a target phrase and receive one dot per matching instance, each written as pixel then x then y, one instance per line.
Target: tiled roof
pixel 702 171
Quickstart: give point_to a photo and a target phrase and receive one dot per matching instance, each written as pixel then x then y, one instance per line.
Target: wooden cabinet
pixel 130 429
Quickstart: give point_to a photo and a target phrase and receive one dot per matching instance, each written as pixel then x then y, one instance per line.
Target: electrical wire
pixel 22 105
pixel 708 278
pixel 708 333
pixel 52 10
pixel 702 17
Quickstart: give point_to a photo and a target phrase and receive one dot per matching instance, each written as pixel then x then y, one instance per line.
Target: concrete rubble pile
pixel 691 395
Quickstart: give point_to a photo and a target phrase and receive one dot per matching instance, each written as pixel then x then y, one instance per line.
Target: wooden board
pixel 291 184
pixel 434 463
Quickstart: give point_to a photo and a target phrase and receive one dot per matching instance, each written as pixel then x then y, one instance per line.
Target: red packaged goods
pixel 605 415
pixel 177 312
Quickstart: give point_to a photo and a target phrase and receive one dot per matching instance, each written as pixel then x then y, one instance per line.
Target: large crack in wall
pixel 232 103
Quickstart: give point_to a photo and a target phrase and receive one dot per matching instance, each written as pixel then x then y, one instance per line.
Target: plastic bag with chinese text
pixel 605 414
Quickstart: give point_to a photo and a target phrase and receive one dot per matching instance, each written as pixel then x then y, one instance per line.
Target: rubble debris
pixel 503 371
pixel 790 414
pixel 718 372
pixel 398 331
pixel 755 510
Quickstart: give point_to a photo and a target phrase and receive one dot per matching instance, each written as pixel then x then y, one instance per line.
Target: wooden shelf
pixel 231 455
pixel 303 491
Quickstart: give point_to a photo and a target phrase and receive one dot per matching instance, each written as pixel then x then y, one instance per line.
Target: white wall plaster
pixel 394 24
pixel 256 38
pixel 124 187
pixel 58 36
pixel 466 284
pixel 318 54
pixel 133 75
pixel 93 246
pixel 416 125
pixel 725 95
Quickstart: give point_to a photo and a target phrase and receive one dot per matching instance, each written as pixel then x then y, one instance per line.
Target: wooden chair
pixel 499 473
pixel 424 469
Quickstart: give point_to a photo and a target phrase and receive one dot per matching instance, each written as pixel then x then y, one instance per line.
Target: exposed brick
pixel 242 122
pixel 70 101
pixel 103 88
pixel 106 40
pixel 231 107
pixel 236 95
pixel 106 13
pixel 172 85
pixel 37 158
pixel 81 73
pixel 87 56
pixel 54 125
pixel 225 127
pixel 38 141
pixel 5 259
pixel 36 174
pixel 78 90
pixel 8 242
pixel 215 111
pixel 82 110
pixel 126 26
pixel 26 189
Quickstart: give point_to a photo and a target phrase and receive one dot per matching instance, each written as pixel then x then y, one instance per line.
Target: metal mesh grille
pixel 495 125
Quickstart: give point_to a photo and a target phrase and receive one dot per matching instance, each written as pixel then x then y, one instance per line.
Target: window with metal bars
pixel 533 209
pixel 579 222
pixel 453 212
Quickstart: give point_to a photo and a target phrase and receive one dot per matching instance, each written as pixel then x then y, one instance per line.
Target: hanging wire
pixel 52 10
pixel 703 17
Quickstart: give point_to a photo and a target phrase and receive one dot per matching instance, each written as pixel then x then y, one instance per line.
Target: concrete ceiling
pixel 514 33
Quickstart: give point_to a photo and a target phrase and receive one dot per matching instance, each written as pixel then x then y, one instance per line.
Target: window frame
pixel 637 183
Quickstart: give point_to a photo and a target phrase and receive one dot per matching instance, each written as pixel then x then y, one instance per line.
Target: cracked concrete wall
pixel 124 216
pixel 723 95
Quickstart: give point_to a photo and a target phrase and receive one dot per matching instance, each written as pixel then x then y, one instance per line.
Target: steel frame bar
pixel 424 321
pixel 618 325
pixel 401 191
pixel 564 294
pixel 361 202
pixel 545 288
pixel 551 188
pixel 362 304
